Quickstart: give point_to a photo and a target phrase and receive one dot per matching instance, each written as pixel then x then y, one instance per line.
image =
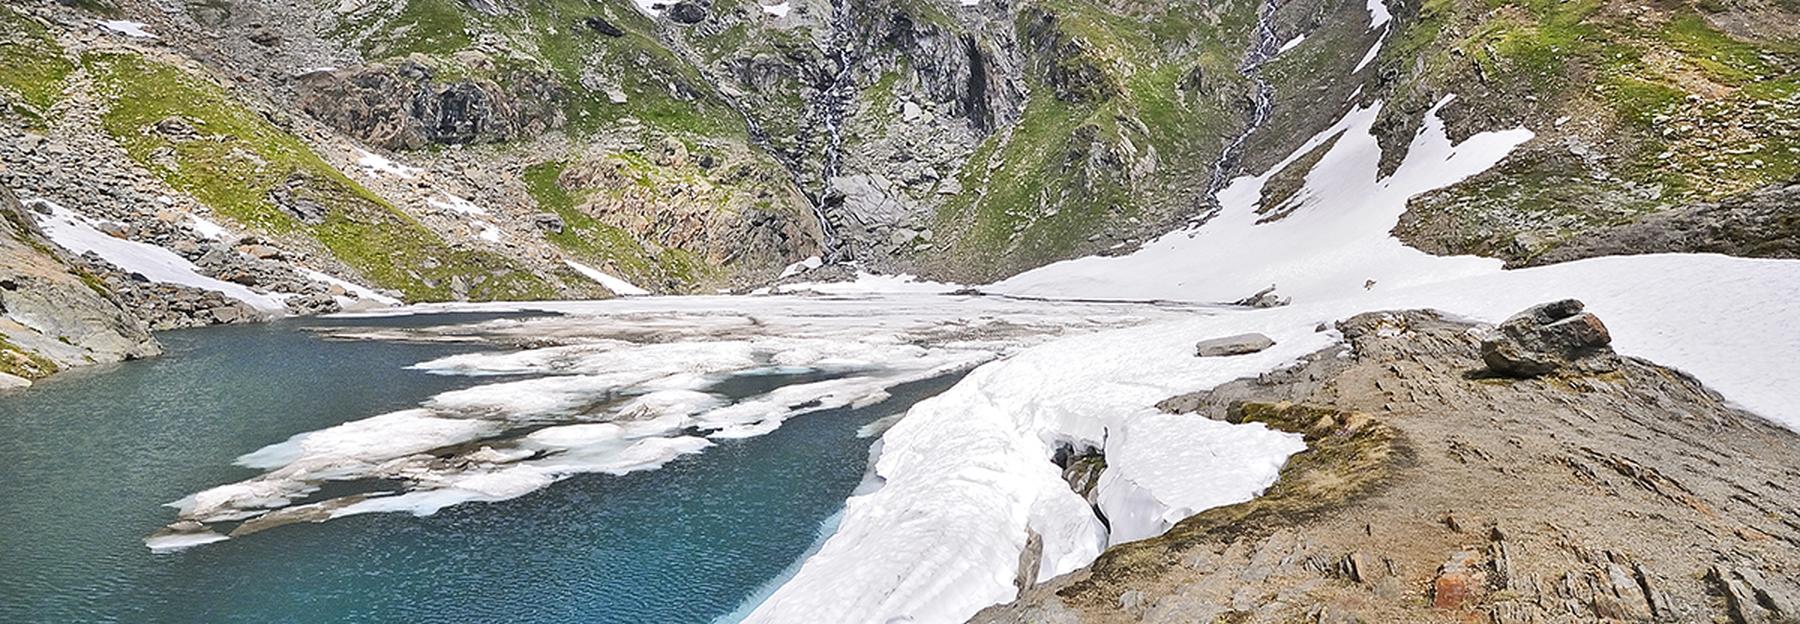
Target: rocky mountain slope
pixel 1535 477
pixel 54 314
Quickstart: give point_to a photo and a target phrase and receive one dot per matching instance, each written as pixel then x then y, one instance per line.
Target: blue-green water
pixel 88 458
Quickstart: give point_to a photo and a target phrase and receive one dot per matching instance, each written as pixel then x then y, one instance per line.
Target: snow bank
pixel 1333 244
pixel 1291 43
pixel 134 30
pixel 363 293
pixel 377 163
pixel 1378 14
pixel 78 235
pixel 964 474
pixel 779 9
pixel 617 285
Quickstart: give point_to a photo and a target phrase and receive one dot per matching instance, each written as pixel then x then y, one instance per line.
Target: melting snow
pixel 1378 14
pixel 362 292
pixel 1291 43
pixel 802 266
pixel 452 203
pixel 778 10
pixel 377 163
pixel 616 285
pixel 134 30
pixel 207 227
pixel 78 235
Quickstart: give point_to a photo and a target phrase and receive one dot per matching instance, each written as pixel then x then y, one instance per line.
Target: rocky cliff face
pixel 54 314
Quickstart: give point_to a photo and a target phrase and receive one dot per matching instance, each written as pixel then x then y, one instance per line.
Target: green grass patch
pixel 16 361
pixel 33 68
pixel 236 160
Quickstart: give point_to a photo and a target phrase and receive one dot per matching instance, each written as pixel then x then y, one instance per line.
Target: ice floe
pixel 625 385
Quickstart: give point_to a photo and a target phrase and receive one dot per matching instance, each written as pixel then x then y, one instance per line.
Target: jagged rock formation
pixel 1433 493
pixel 408 105
pixel 53 314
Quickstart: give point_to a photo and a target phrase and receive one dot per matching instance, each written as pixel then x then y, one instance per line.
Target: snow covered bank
pixel 629 385
pixel 78 235
pixel 965 474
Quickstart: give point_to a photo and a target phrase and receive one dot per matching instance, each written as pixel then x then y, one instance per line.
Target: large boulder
pixel 1546 338
pixel 1232 345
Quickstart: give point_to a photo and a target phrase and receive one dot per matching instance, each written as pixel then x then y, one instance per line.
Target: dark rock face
pixel 1059 60
pixel 687 13
pixel 288 198
pixel 1546 338
pixel 1761 224
pixel 600 25
pixel 403 106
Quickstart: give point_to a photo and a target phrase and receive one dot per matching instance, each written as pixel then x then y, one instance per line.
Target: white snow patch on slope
pixel 812 262
pixel 362 292
pixel 1378 14
pixel 1329 247
pixel 377 163
pixel 207 227
pixel 135 30
pixel 957 464
pixel 452 203
pixel 615 284
pixel 1291 43
pixel 1369 56
pixel 779 9
pixel 78 235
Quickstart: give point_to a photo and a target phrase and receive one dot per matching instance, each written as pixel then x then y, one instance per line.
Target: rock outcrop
pixel 409 105
pixel 1240 344
pixel 1546 338
pixel 1429 494
pixel 54 315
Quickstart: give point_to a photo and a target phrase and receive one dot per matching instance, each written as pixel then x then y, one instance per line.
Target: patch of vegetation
pixel 589 239
pixel 420 26
pixel 201 141
pixel 1347 456
pixel 660 89
pixel 1068 171
pixel 16 361
pixel 33 67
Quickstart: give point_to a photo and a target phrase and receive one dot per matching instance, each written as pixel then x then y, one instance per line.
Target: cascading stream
pixel 1262 48
pixel 831 108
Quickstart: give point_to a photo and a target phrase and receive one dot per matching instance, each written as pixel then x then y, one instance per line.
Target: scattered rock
pixel 1232 345
pixel 1546 338
pixel 600 25
pixel 687 13
pixel 1459 580
pixel 1265 298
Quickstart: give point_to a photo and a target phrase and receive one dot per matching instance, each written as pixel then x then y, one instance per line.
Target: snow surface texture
pixel 134 30
pixel 78 235
pixel 941 538
pixel 616 285
pixel 626 383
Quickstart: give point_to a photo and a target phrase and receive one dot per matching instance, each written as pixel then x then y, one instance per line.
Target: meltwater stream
pixel 88 459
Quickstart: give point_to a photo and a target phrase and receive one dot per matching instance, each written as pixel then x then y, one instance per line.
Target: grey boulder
pixel 1232 345
pixel 1546 338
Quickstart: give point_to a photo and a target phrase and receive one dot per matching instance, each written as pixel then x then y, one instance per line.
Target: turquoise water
pixel 87 460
